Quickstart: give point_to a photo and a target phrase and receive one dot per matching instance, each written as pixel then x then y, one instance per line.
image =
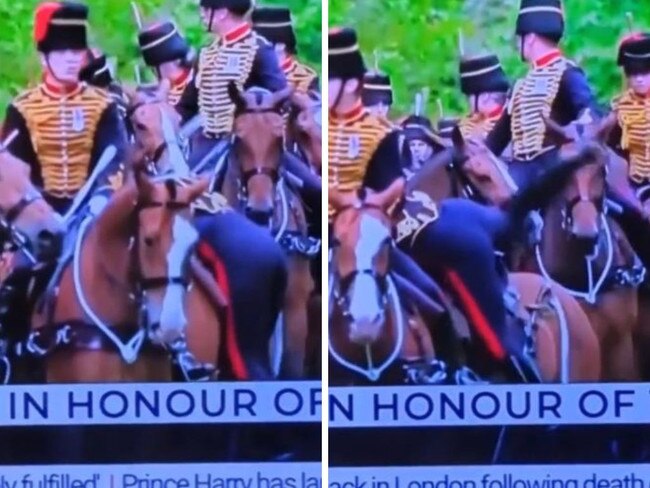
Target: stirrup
pixel 467 376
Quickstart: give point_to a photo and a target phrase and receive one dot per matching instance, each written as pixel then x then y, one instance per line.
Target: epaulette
pixel 26 94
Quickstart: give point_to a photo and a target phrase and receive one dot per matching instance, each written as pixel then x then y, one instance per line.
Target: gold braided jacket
pixel 352 142
pixel 531 102
pixel 225 60
pixel 633 114
pixel 478 125
pixel 62 131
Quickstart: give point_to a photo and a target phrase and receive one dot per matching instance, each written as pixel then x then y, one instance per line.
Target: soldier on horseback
pixel 166 51
pixel 485 84
pixel 554 88
pixel 457 239
pixel 64 125
pixel 421 142
pixel 276 26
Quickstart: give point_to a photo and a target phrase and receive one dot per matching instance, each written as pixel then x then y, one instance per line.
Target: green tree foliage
pixel 113 30
pixel 418 46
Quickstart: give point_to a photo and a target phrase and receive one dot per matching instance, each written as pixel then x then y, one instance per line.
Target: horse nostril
pixel 148 241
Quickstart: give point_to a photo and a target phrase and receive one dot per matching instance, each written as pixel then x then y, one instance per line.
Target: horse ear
pixel 390 196
pixel 236 96
pixel 198 188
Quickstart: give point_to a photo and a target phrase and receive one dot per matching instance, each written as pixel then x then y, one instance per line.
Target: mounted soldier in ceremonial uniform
pixel 377 94
pixel 364 153
pixel 64 126
pixel 631 135
pixel 168 54
pixel 554 88
pixel 276 26
pixel 486 86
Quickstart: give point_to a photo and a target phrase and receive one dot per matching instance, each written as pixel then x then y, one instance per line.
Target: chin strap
pixel 51 71
pixel 211 20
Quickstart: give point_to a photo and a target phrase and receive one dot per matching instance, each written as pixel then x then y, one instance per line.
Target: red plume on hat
pixel 42 18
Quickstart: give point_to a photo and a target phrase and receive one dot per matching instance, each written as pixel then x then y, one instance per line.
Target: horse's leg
pixel 295 331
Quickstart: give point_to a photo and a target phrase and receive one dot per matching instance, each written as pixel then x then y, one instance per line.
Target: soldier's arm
pixel 576 94
pixel 110 132
pixel 21 147
pixel 188 105
pixel 500 135
pixel 385 166
pixel 266 72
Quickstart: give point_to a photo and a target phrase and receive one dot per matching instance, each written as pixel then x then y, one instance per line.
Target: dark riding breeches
pixel 257 273
pixel 526 172
pixel 458 250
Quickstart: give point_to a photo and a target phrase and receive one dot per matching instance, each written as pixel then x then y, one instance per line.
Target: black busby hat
pixel 161 43
pixel 419 127
pixel 634 53
pixel 345 59
pixel 97 72
pixel 61 25
pixel 543 17
pixel 236 6
pixel 376 89
pixel 482 74
pixel 276 26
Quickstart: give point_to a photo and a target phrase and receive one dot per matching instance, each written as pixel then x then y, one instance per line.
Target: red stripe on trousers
pixel 476 315
pixel 235 356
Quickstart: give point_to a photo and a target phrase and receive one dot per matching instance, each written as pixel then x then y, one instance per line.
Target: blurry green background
pixel 418 41
pixel 113 29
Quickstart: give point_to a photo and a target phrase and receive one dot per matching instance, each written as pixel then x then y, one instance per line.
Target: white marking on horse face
pixel 365 306
pixel 172 315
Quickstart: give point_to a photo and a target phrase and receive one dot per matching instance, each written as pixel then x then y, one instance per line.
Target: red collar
pixel 288 64
pixel 61 91
pixel 640 97
pixel 180 81
pixel 349 117
pixel 237 34
pixel 547 59
pixel 496 113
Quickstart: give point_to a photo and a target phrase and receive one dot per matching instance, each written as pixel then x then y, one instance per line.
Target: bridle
pixel 339 293
pixel 144 283
pixel 598 202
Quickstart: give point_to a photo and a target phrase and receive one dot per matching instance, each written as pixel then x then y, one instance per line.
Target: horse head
pixel 259 132
pixel 582 197
pixel 165 240
pixel 484 170
pixel 362 232
pixel 156 127
pixel 32 224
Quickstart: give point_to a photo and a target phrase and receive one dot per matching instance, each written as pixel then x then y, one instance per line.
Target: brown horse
pixel 30 225
pixel 129 289
pixel 566 346
pixel 370 332
pixel 583 250
pixel 254 183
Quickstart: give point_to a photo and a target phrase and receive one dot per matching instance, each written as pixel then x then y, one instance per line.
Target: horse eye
pixel 140 126
pixel 149 241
